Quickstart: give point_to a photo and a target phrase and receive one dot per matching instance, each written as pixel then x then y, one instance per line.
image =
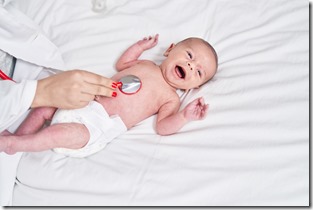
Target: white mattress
pixel 252 149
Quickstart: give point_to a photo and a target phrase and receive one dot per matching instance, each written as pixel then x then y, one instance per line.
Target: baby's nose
pixel 190 66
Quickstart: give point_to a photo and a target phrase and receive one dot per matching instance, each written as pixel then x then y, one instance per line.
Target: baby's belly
pixel 132 109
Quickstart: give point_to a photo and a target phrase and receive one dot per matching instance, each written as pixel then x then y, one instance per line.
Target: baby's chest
pixel 150 94
pixel 148 99
pixel 153 91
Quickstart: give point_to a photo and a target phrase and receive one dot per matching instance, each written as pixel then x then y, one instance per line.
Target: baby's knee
pixel 5 133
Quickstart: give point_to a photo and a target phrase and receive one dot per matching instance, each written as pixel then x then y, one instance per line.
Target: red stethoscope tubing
pixel 4 76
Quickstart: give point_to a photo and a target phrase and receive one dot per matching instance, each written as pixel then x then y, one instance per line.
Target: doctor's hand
pixel 72 89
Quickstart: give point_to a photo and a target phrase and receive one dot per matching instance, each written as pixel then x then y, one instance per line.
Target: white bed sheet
pixel 253 148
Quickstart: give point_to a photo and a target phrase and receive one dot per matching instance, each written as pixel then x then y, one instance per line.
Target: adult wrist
pixel 39 98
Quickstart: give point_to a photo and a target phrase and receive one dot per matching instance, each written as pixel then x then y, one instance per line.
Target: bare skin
pixel 71 89
pixel 188 65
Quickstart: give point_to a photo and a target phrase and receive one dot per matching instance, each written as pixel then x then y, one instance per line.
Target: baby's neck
pixel 164 78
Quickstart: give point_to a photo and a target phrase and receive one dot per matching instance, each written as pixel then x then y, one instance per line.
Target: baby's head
pixel 189 64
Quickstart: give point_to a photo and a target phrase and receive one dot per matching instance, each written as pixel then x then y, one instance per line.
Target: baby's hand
pixel 196 110
pixel 148 42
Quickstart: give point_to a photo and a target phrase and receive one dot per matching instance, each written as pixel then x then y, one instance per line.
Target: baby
pixel 82 132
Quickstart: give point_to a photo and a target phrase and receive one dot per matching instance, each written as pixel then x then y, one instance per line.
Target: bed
pixel 251 150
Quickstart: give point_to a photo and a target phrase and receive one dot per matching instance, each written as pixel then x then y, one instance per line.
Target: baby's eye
pixel 200 73
pixel 189 55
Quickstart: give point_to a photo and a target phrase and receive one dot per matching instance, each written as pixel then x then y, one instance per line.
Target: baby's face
pixel 189 64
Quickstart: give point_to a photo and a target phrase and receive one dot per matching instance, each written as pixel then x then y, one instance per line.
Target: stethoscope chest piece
pixel 130 84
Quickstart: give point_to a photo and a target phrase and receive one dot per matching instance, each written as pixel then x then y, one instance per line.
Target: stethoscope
pixel 4 76
pixel 131 84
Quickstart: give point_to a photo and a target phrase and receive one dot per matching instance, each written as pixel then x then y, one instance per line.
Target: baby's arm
pixel 131 55
pixel 170 120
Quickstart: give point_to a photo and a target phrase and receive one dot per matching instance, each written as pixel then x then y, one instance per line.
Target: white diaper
pixel 102 128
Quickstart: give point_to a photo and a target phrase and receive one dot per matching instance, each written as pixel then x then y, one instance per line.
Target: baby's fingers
pixel 156 37
pixel 203 107
pixel 152 40
pixel 201 101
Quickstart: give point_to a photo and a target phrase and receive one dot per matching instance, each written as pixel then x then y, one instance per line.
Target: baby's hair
pixel 213 51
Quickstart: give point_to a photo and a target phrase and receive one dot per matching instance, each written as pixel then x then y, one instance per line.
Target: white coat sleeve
pixel 22 38
pixel 14 107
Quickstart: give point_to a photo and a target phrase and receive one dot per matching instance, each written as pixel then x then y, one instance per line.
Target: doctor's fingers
pixel 95 79
pixel 94 90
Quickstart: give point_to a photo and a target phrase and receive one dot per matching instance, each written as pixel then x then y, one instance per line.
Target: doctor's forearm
pixel 72 89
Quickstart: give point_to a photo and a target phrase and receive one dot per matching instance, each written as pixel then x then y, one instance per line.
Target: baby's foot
pixel 5 145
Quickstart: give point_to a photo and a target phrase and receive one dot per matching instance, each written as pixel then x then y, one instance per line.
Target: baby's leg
pixel 35 120
pixel 62 135
pixel 5 133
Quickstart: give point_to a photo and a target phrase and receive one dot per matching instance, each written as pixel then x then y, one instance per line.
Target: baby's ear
pixel 169 49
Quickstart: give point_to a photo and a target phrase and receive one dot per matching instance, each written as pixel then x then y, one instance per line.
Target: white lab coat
pixel 22 38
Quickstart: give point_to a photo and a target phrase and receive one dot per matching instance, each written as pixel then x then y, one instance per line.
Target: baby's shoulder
pixel 147 63
pixel 171 102
pixel 172 97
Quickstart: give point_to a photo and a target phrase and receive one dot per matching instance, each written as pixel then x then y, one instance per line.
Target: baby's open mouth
pixel 180 72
